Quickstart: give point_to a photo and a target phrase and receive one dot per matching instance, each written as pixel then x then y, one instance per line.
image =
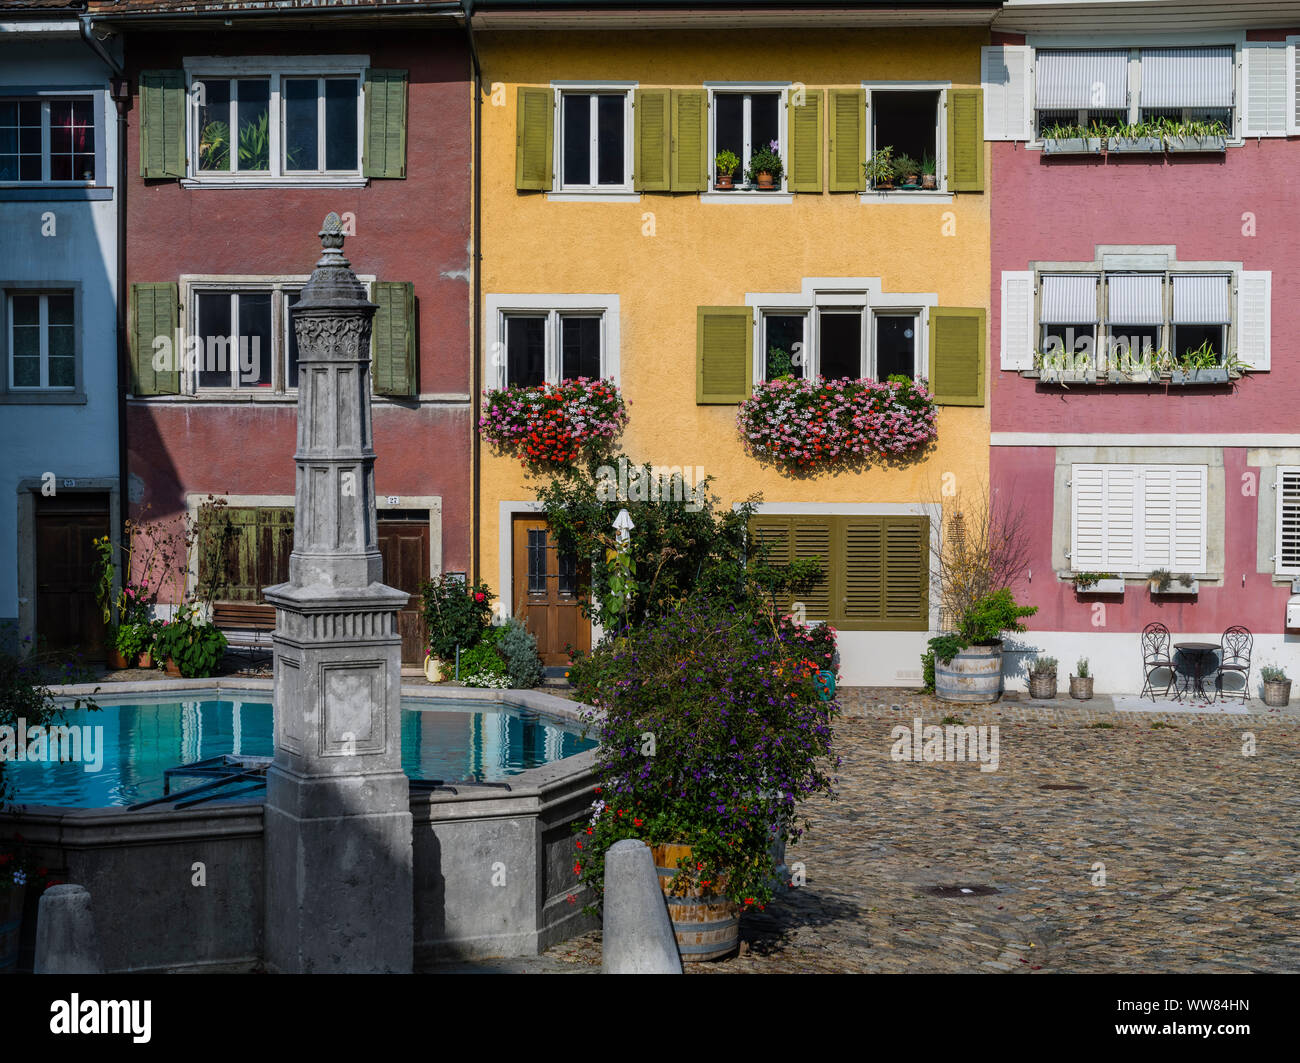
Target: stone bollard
pixel 66 942
pixel 638 935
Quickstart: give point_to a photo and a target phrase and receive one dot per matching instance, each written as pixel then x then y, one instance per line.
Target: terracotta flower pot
pixel 173 669
pixel 723 182
pixel 765 181
pixel 146 659
pixel 116 661
pixel 929 182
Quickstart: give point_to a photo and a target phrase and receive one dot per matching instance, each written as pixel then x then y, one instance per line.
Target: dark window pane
pixel 1133 346
pixel 254 109
pixel 30 168
pixel 341 124
pixel 895 347
pixel 60 309
pixel 580 344
pixel 841 345
pixel 63 371
pixel 785 345
pixel 908 122
pixel 525 351
pixel 60 167
pixel 537 561
pixel 214 125
pixel 567 581
pixel 1077 340
pixel 292 345
pixel 301 129
pixel 255 339
pixel 27 370
pixel 8 113
pixel 729 125
pixel 26 310
pixel 1188 338
pixel 764 125
pixel 214 328
pixel 577 139
pixel 609 130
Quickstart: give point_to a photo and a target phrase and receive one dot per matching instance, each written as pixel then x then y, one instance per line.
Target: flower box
pixel 1072 146
pixel 552 424
pixel 1185 144
pixel 1182 377
pixel 1135 145
pixel 1176 589
pixel 1118 376
pixel 1067 376
pixel 1102 586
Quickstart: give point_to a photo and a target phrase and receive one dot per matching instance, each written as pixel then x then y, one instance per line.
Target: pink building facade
pixel 1143 397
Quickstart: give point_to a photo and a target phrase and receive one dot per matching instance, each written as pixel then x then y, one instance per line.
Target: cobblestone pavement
pixel 1199 844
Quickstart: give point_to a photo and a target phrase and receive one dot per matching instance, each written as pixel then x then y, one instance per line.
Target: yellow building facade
pixel 607 239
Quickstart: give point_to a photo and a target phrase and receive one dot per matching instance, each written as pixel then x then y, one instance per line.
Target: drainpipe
pixel 121 97
pixel 476 382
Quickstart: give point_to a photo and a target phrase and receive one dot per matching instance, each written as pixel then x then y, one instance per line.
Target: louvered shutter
pixel 724 363
pixel 652 134
pixel 154 313
pixel 805 172
pixel 1292 83
pixel 1189 504
pixel 1254 317
pixel 812 537
pixel 393 369
pixel 1286 561
pixel 1019 336
pixel 907 573
pixel 1087 518
pixel 1122 540
pixel 690 140
pixel 274 545
pixel 1267 94
pixel 162 123
pixel 228 541
pixel 1004 73
pixel 385 126
pixel 773 534
pixel 965 140
pixel 1158 518
pixel 534 134
pixel 848 124
pixel 863 571
pixel 957 355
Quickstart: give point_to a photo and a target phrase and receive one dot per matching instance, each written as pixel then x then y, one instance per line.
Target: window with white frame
pixel 42 340
pixel 785 345
pixel 1079 86
pixel 1286 560
pixel 551 346
pixel 742 122
pixel 909 120
pixel 47 139
pixel 1188 84
pixel 841 342
pixel 295 120
pixel 594 138
pixel 1138 518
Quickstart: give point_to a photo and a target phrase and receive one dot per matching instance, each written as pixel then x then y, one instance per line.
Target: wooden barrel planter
pixel 706 925
pixel 973 675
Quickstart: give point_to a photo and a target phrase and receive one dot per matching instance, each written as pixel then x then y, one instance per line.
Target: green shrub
pixel 195 646
pixel 519 648
pixel 993 614
pixel 134 639
pixel 455 614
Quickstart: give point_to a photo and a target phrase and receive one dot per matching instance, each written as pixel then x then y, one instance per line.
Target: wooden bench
pixel 246 625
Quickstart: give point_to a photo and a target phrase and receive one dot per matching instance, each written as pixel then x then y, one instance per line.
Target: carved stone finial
pixel 331 235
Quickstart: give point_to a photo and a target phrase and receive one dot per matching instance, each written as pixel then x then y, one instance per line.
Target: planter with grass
pixel 1138 145
pixel 1277 687
pixel 1081 684
pixel 1042 678
pixel 1217 145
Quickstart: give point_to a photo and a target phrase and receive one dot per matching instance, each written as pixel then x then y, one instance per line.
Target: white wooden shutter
pixel 1286 562
pixel 1157 517
pixel 1018 332
pixel 1123 547
pixel 1264 78
pixel 1292 96
pixel 1004 73
pixel 1254 317
pixel 1087 517
pixel 1189 503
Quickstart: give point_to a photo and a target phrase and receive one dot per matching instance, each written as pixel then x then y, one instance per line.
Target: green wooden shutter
pixel 154 312
pixel 862 561
pixel 228 552
pixel 393 339
pixel 162 123
pixel 723 354
pixel 274 545
pixel 848 139
pixel 385 132
pixel 652 119
pixel 965 140
pixel 813 538
pixel 907 573
pixel 884 565
pixel 690 141
pixel 534 133
pixel 806 144
pixel 957 355
pixel 774 534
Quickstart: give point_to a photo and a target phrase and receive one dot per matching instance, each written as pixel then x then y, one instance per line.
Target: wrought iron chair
pixel 1155 657
pixel 1234 659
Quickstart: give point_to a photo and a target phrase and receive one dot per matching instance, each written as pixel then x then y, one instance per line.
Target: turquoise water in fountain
pixel 455 741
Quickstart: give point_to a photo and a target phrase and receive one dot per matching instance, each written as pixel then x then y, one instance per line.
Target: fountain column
pixel 338 820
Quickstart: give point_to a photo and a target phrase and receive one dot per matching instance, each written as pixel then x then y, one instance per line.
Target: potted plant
pixel 726 162
pixel 1069 139
pixel 909 170
pixel 1081 683
pixel 1200 365
pixel 1194 136
pixel 1097 583
pixel 457 614
pixel 1059 366
pixel 1277 687
pixel 765 167
pixel 1042 678
pixel 879 169
pixel 1160 580
pixel 189 646
pixel 968 663
pixel 133 642
pixel 1135 137
pixel 929 179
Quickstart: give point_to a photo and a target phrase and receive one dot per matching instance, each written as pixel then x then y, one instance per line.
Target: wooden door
pixel 67 615
pixel 404 546
pixel 545 592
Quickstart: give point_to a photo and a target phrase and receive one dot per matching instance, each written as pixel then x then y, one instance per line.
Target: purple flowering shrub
pixel 712 733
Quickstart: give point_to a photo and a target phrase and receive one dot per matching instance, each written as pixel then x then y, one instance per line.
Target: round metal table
pixel 1197 652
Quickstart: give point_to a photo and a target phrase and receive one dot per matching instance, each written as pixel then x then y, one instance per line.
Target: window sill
pixel 747 197
pixel 274 182
pixel 43 398
pixel 54 194
pixel 905 197
pixel 290 398
pixel 621 196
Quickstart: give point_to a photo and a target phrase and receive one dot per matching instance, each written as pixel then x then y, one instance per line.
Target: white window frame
pixel 594 88
pixel 44 386
pixel 940 131
pixel 1279 567
pixel 45 97
pixel 279 286
pixel 497 308
pixel 273 69
pixel 747 89
pixel 1139 529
